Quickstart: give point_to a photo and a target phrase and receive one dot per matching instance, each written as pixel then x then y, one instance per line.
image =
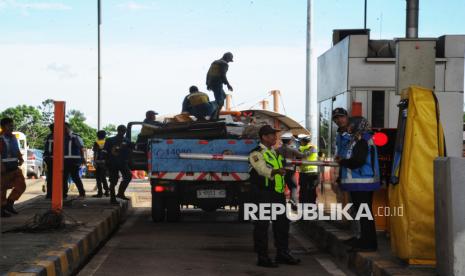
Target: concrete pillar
pixel 449 190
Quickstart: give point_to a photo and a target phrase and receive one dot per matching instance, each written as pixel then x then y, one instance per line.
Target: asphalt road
pixel 200 244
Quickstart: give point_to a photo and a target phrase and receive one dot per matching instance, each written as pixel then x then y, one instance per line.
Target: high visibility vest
pixel 72 147
pixel 276 162
pixel 48 152
pixel 312 157
pixel 197 98
pixel 365 178
pixel 10 151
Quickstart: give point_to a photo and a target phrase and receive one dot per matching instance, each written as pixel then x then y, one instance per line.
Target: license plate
pixel 211 193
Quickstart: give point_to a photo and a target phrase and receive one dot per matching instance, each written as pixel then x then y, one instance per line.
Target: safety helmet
pixel 228 56
pixel 287 136
pixel 304 137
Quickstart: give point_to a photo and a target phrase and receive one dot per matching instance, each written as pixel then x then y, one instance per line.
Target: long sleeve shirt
pixel 217 73
pixel 257 161
pixel 358 156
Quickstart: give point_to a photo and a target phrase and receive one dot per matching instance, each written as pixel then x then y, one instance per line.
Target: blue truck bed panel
pixel 165 155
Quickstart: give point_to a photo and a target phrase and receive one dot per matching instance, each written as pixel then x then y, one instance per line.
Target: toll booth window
pixel 377 108
pixel 325 127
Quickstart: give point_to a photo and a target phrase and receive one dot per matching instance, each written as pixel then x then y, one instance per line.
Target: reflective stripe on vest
pixel 70 154
pixel 6 153
pixel 312 157
pixel 365 178
pixel 276 162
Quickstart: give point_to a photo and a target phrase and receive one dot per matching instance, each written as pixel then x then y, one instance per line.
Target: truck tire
pixel 173 210
pixel 158 208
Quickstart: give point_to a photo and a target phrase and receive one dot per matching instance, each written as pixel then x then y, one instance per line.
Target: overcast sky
pixel 152 51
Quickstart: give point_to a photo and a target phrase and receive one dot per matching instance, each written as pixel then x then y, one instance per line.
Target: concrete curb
pixel 67 258
pixel 330 238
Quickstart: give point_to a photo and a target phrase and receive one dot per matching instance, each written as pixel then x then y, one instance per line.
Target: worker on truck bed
pixel 216 77
pixel 267 179
pixel 198 104
pixel 12 176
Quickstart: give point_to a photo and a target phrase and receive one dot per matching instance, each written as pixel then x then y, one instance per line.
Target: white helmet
pixel 287 136
pixel 304 137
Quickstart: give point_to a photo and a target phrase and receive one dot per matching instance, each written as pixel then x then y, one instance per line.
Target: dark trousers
pixel 280 225
pixel 308 182
pixel 367 227
pixel 71 169
pixel 101 178
pixel 114 177
pixel 220 97
pixel 49 176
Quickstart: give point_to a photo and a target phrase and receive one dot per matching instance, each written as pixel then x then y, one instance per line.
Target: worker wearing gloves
pixel 289 152
pixel 73 159
pixel 216 77
pixel 198 104
pixel 117 149
pixel 308 173
pixel 12 176
pixel 267 178
pixel 359 175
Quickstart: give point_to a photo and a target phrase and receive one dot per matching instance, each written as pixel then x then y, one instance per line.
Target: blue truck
pixel 205 184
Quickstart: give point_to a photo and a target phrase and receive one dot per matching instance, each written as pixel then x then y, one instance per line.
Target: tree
pixel 110 130
pixel 29 120
pixel 76 120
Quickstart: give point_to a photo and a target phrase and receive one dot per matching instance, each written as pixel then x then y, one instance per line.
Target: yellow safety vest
pixel 197 98
pixel 276 162
pixel 312 157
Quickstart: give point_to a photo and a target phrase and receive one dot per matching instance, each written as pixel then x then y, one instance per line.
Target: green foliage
pixel 34 122
pixel 76 120
pixel 110 130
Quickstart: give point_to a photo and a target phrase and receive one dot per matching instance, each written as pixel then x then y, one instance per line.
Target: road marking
pixel 330 266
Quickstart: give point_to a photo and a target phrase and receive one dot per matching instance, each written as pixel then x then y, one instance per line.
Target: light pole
pixel 308 82
pixel 99 77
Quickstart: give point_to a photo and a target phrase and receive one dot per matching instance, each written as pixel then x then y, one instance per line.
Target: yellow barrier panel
pixel 412 235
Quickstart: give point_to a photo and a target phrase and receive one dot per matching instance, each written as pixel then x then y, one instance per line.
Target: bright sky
pixel 152 51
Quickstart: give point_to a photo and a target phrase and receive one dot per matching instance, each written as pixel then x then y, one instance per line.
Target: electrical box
pixel 415 63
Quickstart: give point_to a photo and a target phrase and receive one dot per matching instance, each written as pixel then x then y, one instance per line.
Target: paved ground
pixel 201 244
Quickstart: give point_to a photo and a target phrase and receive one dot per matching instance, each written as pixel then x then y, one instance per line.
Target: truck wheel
pixel 173 210
pixel 158 208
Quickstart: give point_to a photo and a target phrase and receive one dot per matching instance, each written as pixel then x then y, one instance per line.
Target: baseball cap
pixel 339 111
pixel 267 129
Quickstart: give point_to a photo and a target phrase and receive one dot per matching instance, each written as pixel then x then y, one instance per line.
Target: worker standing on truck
pixel 267 180
pixel 48 159
pixel 308 173
pixel 73 159
pixel 198 104
pixel 99 161
pixel 289 152
pixel 117 149
pixel 11 160
pixel 216 77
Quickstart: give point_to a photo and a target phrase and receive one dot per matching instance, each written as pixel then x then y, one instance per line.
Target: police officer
pixel 266 175
pixel 117 149
pixel 12 176
pixel 73 159
pixel 216 77
pixel 359 175
pixel 288 151
pixel 99 161
pixel 198 104
pixel 48 159
pixel 308 173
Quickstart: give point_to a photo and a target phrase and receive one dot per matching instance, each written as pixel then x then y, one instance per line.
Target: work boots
pixel 285 257
pixel 265 261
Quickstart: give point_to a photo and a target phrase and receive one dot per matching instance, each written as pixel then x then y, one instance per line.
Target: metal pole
pixel 411 28
pixel 275 94
pixel 243 158
pixel 264 104
pixel 365 17
pixel 308 83
pixel 228 102
pixel 99 77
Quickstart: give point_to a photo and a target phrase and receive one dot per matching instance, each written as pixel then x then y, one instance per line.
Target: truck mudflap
pixel 201 176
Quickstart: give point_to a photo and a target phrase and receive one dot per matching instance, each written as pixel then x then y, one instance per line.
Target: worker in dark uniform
pixel 99 161
pixel 12 176
pixel 117 149
pixel 216 77
pixel 73 159
pixel 48 159
pixel 267 178
pixel 198 104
